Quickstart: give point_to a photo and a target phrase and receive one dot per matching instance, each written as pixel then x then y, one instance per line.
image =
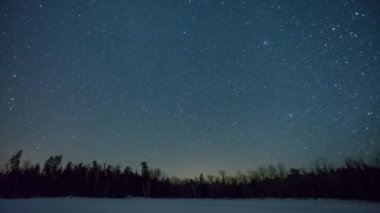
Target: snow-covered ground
pixel 65 205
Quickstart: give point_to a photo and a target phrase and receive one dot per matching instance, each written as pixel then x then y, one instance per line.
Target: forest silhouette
pixel 357 179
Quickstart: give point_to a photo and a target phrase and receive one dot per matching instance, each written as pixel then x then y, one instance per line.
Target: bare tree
pixel 15 161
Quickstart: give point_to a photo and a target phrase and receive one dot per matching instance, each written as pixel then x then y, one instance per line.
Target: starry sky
pixel 190 86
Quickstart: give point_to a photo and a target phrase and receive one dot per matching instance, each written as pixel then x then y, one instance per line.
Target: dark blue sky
pixel 190 86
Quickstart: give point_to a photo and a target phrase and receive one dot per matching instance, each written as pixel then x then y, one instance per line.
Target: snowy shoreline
pixel 84 204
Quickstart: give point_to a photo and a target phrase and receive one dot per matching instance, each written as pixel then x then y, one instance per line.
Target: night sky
pixel 190 86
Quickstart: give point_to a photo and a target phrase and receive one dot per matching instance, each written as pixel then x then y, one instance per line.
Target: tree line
pixel 355 180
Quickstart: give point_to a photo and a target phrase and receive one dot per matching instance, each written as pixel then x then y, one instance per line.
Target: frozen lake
pixel 64 205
